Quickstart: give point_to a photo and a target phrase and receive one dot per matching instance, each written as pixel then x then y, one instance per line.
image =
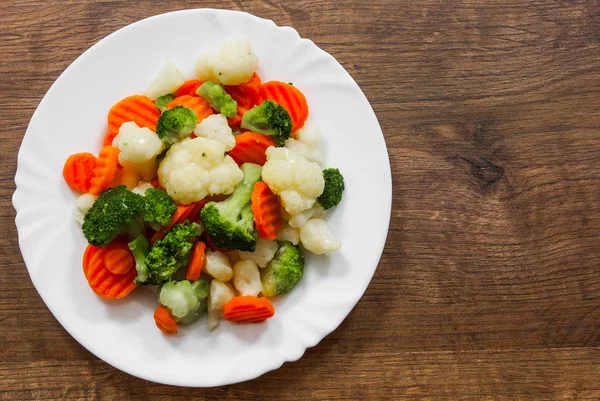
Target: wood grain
pixel 489 286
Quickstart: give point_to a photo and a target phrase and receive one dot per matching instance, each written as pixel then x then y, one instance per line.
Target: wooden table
pixel 489 286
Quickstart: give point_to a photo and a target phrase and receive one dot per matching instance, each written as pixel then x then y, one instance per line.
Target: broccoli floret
pixel 269 118
pixel 169 254
pixel 139 248
pixel 284 271
pixel 158 208
pixel 116 211
pixel 176 124
pixel 334 187
pixel 218 99
pixel 163 101
pixel 184 300
pixel 230 223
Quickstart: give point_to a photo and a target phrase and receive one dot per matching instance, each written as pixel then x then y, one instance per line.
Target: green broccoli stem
pixel 218 98
pixel 139 248
pixel 240 197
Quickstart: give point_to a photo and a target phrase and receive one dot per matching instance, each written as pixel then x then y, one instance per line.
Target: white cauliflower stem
pixel 246 278
pixel 216 127
pixel 317 238
pixel 84 203
pixel 219 294
pixel 307 142
pixel 300 219
pixel 168 80
pixel 297 181
pixel 289 233
pixel 265 250
pixel 141 187
pixel 218 266
pixel 232 63
pixel 195 168
pixel 138 149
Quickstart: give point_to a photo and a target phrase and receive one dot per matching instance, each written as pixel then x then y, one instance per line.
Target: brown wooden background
pixel 489 286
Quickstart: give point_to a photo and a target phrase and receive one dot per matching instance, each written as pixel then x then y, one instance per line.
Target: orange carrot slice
pixel 246 95
pixel 181 215
pixel 156 183
pixel 251 147
pixel 109 137
pixel 248 309
pixel 267 211
pixel 88 254
pixel 189 212
pixel 189 88
pixel 197 261
pixel 135 108
pixel 118 258
pixel 104 170
pixel 78 171
pixel 164 321
pixel 196 103
pixel 290 98
pixel 105 283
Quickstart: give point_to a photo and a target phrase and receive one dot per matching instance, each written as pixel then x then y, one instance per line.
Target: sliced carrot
pixel 105 283
pixel 78 171
pixel 109 137
pixel 88 254
pixel 196 103
pixel 251 147
pixel 181 215
pixel 248 309
pixel 267 211
pixel 189 212
pixel 246 95
pixel 156 183
pixel 189 88
pixel 197 261
pixel 290 98
pixel 104 170
pixel 164 321
pixel 118 258
pixel 135 108
pixel 118 178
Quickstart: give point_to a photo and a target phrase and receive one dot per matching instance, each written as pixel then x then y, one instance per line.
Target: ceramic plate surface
pixel 72 118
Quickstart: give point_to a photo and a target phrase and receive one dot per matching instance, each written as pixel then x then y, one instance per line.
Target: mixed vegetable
pixel 211 189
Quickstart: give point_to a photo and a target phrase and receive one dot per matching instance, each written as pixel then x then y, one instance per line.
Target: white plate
pixel 72 118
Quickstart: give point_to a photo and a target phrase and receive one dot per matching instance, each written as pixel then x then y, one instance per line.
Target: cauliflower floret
pixel 219 294
pixel 218 266
pixel 297 181
pixel 232 63
pixel 139 148
pixel 289 233
pixel 84 203
pixel 141 187
pixel 168 80
pixel 216 127
pixel 246 278
pixel 265 250
pixel 300 219
pixel 307 142
pixel 195 168
pixel 317 238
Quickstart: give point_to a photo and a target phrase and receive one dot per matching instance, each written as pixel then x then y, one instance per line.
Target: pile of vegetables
pixel 210 188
